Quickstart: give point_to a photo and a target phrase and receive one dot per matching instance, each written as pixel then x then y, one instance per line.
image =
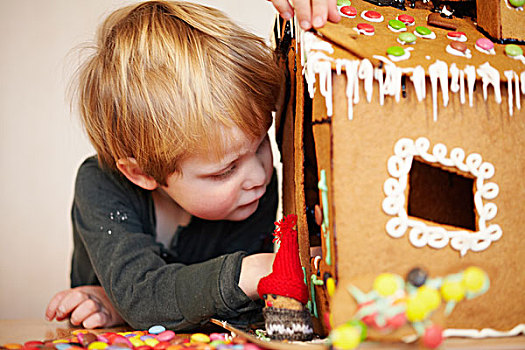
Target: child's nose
pixel 256 174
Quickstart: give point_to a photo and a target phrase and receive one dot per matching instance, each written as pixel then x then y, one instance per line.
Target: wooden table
pixel 20 331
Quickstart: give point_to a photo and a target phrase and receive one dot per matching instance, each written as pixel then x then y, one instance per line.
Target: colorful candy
pixel 345 337
pixel 513 50
pixel 387 283
pixel 406 38
pixel 407 19
pixel 485 45
pixel 372 16
pixel 517 3
pixel 474 279
pixel 348 11
pixel 365 28
pixel 424 32
pixel 159 339
pixel 396 25
pixel 457 36
pixel 344 2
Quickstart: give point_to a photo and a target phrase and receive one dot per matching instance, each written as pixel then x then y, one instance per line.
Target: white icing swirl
pixel 437 237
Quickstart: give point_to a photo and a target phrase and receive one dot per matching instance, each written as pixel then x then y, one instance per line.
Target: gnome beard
pixel 286 319
pixel 284 290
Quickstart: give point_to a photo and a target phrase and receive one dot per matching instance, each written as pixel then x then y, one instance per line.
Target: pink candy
pixel 166 336
pixel 485 44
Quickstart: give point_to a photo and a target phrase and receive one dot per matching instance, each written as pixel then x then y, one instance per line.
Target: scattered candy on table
pixel 156 338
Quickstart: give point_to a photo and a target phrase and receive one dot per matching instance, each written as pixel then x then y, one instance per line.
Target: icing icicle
pixel 470 72
pixel 490 76
pixel 438 70
pixel 510 75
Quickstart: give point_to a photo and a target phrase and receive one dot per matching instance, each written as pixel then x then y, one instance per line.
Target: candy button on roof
pixel 517 3
pixel 396 24
pixel 395 51
pixel 423 30
pixel 349 11
pixel 408 38
pixel 455 34
pixel 366 27
pixel 456 45
pixel 344 2
pixel 485 44
pixel 513 50
pixel 407 19
pixel 372 14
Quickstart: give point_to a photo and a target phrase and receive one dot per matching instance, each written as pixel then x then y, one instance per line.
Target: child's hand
pixel 88 306
pixel 254 267
pixel 309 12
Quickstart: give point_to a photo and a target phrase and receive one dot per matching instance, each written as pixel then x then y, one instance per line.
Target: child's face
pixel 226 189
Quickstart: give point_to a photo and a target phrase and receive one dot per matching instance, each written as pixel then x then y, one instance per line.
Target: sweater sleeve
pixel 111 223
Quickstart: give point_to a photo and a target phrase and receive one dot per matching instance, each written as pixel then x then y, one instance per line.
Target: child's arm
pixel 88 306
pixel 309 14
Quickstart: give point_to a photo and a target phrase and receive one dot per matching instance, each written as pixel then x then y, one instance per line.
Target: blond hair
pixel 167 78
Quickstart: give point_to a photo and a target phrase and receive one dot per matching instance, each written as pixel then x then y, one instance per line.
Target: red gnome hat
pixel 287 277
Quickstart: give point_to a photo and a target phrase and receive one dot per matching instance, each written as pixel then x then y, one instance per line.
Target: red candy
pixel 349 11
pixel 372 14
pixel 433 337
pixel 407 19
pixel 455 34
pixel 365 27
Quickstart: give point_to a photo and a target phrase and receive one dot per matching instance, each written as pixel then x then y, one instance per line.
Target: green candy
pixel 395 51
pixel 423 30
pixel 396 24
pixel 513 50
pixel 344 2
pixel 517 3
pixel 407 38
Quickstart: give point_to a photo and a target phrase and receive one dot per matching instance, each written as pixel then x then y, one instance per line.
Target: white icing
pixel 490 76
pixel 462 87
pixel 364 32
pixel 377 20
pixel 430 36
pixel 470 71
pixel 462 38
pixel 520 58
pixel 488 52
pixel 484 333
pixel 438 71
pixel 452 51
pixel 454 78
pixel 391 85
pixel 446 11
pixel 418 78
pixel 510 75
pixel 366 73
pixel 438 237
pixel 352 84
pixel 347 16
pixel 522 77
pixel 518 94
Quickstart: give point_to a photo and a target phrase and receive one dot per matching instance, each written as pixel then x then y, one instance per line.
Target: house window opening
pixel 441 196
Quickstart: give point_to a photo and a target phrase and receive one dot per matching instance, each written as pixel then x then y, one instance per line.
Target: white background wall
pixel 42 143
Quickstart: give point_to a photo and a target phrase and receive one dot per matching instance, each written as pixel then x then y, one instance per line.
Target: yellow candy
pixel 430 297
pixel 330 286
pixel 98 345
pixel 200 338
pixel 12 346
pixel 151 342
pixel 474 279
pixel 58 341
pixel 453 290
pixel 345 337
pixel 416 309
pixel 136 341
pixel 386 284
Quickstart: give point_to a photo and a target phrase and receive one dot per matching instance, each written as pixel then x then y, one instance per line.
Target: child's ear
pixel 133 172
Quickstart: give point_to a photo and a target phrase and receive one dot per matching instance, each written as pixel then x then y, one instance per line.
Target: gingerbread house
pixel 404 140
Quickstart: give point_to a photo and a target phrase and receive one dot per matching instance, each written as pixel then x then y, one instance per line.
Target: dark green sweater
pixel 180 287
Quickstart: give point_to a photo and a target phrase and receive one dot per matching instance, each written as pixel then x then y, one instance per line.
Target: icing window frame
pixel 436 236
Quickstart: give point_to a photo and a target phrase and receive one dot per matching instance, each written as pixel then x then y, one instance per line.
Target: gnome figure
pixel 284 290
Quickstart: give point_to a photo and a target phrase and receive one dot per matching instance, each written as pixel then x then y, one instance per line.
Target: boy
pixel 174 217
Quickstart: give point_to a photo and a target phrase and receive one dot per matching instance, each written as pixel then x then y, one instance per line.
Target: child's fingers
pixel 51 310
pixel 83 311
pixel 333 14
pixel 303 11
pixel 319 13
pixel 97 320
pixel 284 8
pixel 71 300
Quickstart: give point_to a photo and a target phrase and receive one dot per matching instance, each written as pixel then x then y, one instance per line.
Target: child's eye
pixel 225 174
